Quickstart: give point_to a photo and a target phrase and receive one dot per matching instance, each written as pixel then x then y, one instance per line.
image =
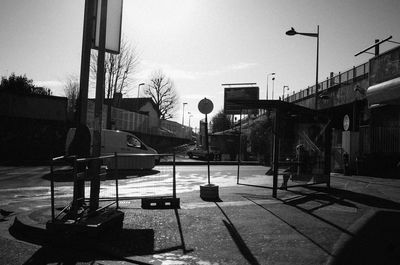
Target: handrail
pixel 354 73
pixel 61 157
pixel 119 155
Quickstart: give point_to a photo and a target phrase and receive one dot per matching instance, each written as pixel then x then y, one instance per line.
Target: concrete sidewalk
pixel 355 222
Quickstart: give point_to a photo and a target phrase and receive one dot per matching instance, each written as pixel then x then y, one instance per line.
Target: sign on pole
pixel 205 106
pixel 241 93
pixel 113 28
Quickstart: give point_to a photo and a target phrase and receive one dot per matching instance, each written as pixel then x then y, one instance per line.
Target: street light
pixel 267 82
pixel 283 92
pixel 190 116
pixel 183 113
pixel 273 85
pixel 138 89
pixel 293 32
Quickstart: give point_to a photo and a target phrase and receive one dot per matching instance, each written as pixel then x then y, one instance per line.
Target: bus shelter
pixel 300 143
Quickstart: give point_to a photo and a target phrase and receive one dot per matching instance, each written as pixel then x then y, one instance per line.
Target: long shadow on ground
pixel 376 242
pixel 355 197
pixel 72 248
pixel 237 238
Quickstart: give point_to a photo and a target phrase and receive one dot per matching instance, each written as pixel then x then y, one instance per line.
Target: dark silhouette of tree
pixel 162 90
pixel 220 122
pixel 261 138
pixel 20 84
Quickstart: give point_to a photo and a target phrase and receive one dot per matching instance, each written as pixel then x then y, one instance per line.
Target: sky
pixel 201 44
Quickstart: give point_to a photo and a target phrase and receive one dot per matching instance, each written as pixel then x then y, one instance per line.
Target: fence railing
pixel 80 170
pixel 379 140
pixel 344 78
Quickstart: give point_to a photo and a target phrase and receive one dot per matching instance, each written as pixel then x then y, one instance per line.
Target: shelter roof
pixel 282 106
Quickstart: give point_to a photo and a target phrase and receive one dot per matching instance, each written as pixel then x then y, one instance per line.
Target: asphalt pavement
pixel 355 221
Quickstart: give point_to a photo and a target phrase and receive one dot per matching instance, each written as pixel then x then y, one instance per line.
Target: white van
pixel 122 143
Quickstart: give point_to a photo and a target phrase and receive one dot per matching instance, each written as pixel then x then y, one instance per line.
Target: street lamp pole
pixel 283 92
pixel 138 89
pixel 293 32
pixel 268 82
pixel 183 113
pixel 273 85
pixel 190 116
pixel 316 71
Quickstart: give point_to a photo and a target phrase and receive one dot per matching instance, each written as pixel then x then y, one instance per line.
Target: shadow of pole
pixel 309 212
pixel 178 219
pixel 72 249
pixel 377 241
pixel 293 227
pixel 243 248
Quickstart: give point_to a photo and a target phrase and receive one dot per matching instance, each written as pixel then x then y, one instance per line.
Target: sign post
pixel 210 191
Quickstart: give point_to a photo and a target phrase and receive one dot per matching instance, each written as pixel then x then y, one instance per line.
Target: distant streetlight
pixel 183 112
pixel 138 89
pixel 273 85
pixel 283 91
pixel 293 32
pixel 190 116
pixel 267 82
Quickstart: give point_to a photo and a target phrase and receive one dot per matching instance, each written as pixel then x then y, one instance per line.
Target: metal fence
pixel 117 186
pixel 379 140
pixel 346 77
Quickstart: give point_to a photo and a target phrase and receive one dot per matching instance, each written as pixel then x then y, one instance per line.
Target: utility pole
pixel 98 109
pixel 85 60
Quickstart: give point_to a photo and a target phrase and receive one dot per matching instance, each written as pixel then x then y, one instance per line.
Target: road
pixel 354 222
pixel 25 188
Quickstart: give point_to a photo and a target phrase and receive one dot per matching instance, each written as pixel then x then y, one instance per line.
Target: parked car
pixel 201 153
pixel 122 143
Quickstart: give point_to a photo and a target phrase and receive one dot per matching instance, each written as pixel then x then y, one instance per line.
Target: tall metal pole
pixel 293 32
pixel 275 159
pixel 183 113
pixel 273 85
pixel 208 153
pixel 316 74
pixel 283 92
pixel 98 109
pixel 138 89
pixel 240 147
pixel 267 84
pixel 85 59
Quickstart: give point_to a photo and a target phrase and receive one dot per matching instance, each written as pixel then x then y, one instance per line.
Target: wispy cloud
pixel 242 66
pixel 179 73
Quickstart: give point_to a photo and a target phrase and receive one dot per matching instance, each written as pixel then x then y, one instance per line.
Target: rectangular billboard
pixel 239 93
pixel 113 28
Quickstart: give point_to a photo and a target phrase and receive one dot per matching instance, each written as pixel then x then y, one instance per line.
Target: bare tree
pixel 118 69
pixel 71 90
pixel 162 90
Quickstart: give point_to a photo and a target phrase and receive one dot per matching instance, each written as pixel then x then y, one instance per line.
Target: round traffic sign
pixel 205 106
